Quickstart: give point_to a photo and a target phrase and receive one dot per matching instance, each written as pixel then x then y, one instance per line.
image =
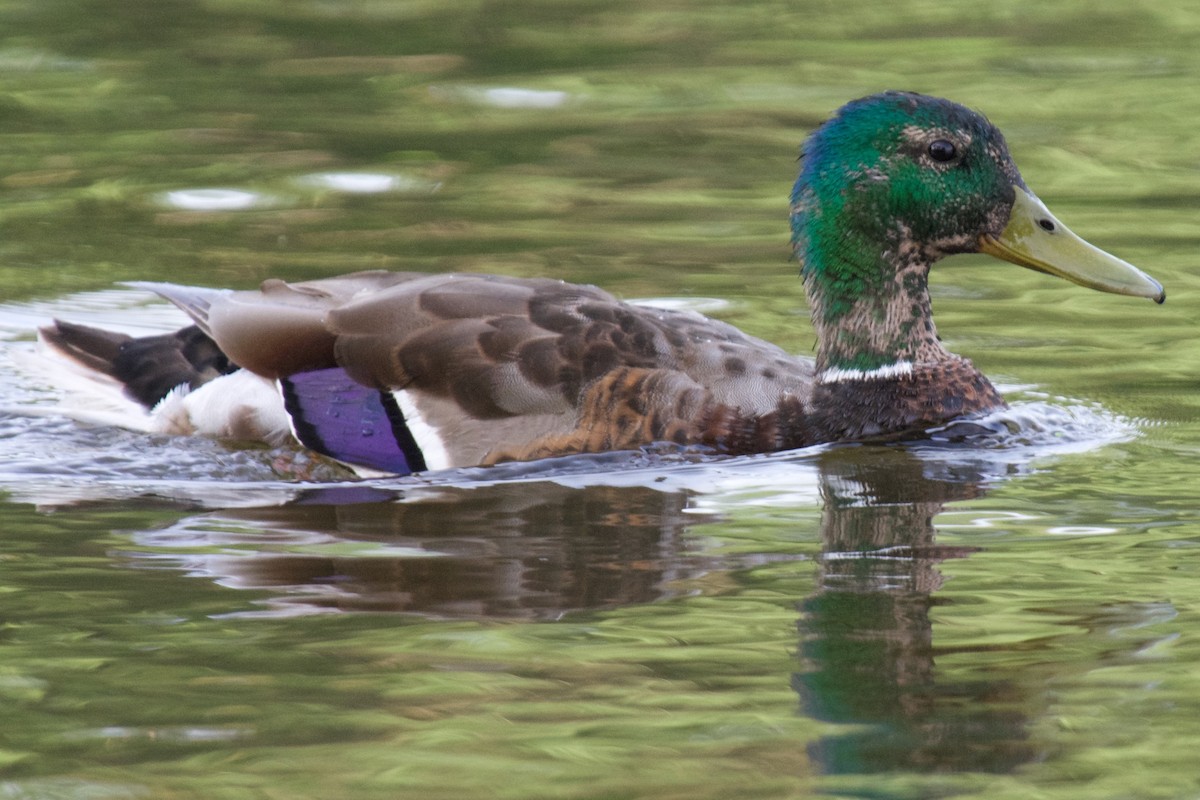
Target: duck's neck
pixel 881 371
pixel 868 288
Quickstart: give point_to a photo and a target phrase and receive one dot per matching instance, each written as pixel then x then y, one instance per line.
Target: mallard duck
pixel 405 372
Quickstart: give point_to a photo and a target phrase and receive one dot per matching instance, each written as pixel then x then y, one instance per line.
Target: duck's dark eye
pixel 942 150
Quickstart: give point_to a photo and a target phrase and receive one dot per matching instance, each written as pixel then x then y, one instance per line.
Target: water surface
pixel 1012 617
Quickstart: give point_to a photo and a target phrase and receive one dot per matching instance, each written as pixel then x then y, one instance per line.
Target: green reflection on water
pixel 1062 651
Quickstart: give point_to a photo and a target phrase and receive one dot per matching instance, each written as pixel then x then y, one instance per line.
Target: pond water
pixel 1012 618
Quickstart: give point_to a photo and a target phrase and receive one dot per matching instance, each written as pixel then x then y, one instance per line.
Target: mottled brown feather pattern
pixel 632 407
pixel 624 409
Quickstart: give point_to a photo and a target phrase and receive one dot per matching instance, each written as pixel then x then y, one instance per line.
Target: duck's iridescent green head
pixel 902 167
pixel 895 181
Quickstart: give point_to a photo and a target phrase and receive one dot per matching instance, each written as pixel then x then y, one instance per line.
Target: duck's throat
pixel 872 313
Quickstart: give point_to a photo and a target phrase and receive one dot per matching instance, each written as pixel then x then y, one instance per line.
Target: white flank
pixel 839 375
pixel 241 406
pixel 427 437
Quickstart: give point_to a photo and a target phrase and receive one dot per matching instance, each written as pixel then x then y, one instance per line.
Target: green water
pixel 187 620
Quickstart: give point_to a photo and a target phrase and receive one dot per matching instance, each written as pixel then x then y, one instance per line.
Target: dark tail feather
pixel 150 366
pixel 91 347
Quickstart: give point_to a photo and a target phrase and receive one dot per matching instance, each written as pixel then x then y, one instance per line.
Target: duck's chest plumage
pixel 922 396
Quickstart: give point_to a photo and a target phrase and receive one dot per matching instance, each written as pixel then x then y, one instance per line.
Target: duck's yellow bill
pixel 1034 238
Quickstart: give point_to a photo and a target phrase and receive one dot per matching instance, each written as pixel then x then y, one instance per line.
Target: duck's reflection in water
pixel 538 549
pixel 515 550
pixel 866 634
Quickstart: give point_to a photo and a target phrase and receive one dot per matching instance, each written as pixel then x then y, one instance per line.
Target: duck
pixel 394 373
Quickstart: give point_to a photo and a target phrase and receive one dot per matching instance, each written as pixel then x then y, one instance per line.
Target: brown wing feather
pixel 282 328
pixel 520 367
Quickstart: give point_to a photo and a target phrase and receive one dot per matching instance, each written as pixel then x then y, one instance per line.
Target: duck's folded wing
pixel 466 369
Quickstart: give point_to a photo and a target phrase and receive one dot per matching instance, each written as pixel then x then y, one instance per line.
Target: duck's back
pixel 480 368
